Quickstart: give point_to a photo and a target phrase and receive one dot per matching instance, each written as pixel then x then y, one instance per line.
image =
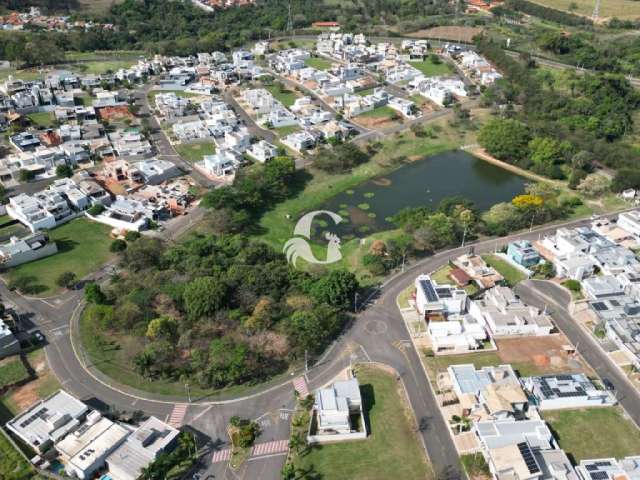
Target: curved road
pixel 377 334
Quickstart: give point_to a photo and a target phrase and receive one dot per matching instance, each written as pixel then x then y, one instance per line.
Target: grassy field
pixel 288 130
pixel 12 371
pixel 391 450
pixel 405 296
pixel 594 433
pixel 13 466
pixel 41 119
pixel 194 152
pixel 286 97
pixel 365 92
pixel 318 63
pixel 83 246
pixel 612 8
pixel 442 276
pixel 380 112
pixel 510 273
pixel 101 62
pixel 430 69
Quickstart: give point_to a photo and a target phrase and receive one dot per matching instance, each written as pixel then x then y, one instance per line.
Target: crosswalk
pixel 177 414
pixel 270 448
pixel 221 456
pixel 300 385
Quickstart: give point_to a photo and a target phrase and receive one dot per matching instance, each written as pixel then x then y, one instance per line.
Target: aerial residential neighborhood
pixel 292 240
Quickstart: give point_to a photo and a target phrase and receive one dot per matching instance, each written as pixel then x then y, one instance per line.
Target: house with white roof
pixel 334 408
pixel 435 301
pixel 503 314
pixel 125 214
pixel 262 151
pixel 222 164
pixel 22 250
pixel 457 333
pixel 156 171
pixel 627 468
pixel 575 390
pixel 299 141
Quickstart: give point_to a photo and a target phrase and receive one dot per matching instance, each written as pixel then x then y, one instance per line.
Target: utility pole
pixel 355 302
pixel 306 361
pixel 596 11
pixel 290 20
pixel 186 386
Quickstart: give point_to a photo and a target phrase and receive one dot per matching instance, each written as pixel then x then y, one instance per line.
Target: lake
pixel 368 207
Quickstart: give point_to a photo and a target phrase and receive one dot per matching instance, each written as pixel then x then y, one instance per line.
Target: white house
pixel 262 151
pixel 503 313
pixel 299 141
pixel 434 301
pixel 553 392
pixel 458 333
pixel 223 163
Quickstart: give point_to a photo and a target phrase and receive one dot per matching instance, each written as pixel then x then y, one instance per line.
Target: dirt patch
pixel 541 353
pixel 25 396
pixel 464 34
pixel 376 123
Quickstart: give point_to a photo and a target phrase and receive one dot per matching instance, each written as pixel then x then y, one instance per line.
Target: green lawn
pixel 380 112
pixel 12 371
pixel 318 63
pixel 13 466
pixel 288 130
pixel 41 119
pixel 286 97
pixel 365 92
pixel 594 433
pixel 392 450
pixel 194 152
pixel 510 273
pixel 405 296
pixel 83 246
pixel 430 69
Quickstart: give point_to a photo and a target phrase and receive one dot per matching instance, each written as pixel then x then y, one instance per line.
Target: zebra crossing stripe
pixel 300 385
pixel 221 456
pixel 269 448
pixel 177 415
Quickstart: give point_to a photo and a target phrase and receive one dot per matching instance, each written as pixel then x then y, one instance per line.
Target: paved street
pixel 541 294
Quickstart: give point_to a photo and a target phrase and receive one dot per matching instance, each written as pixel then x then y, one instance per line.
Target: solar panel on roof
pixel 527 456
pixel 429 292
pixel 592 467
pixel 443 292
pixel 599 475
pixel 603 464
pixel 599 306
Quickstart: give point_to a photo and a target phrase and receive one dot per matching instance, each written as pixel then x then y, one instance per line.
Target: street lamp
pixel 186 386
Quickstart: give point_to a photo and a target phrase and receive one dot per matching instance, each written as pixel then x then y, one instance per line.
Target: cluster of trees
pixel 341 158
pixel 218 310
pixel 253 191
pixel 581 49
pixel 540 11
pixel 556 133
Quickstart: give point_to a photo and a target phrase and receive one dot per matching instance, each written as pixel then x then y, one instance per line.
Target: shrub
pixel 96 209
pixel 132 236
pixel 67 280
pixel 118 245
pixel 573 285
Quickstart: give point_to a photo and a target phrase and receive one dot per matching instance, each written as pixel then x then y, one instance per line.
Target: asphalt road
pixel 541 294
pixel 377 334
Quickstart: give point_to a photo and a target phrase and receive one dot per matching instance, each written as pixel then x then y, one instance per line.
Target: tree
pixel 337 289
pixel 546 153
pixel 204 296
pixel 501 218
pixel 162 327
pixel 94 294
pixel 26 175
pixel 341 158
pixel 67 280
pixel 64 171
pixel 131 236
pixel 438 231
pixel 527 202
pixel 505 139
pixel 594 185
pixel 118 245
